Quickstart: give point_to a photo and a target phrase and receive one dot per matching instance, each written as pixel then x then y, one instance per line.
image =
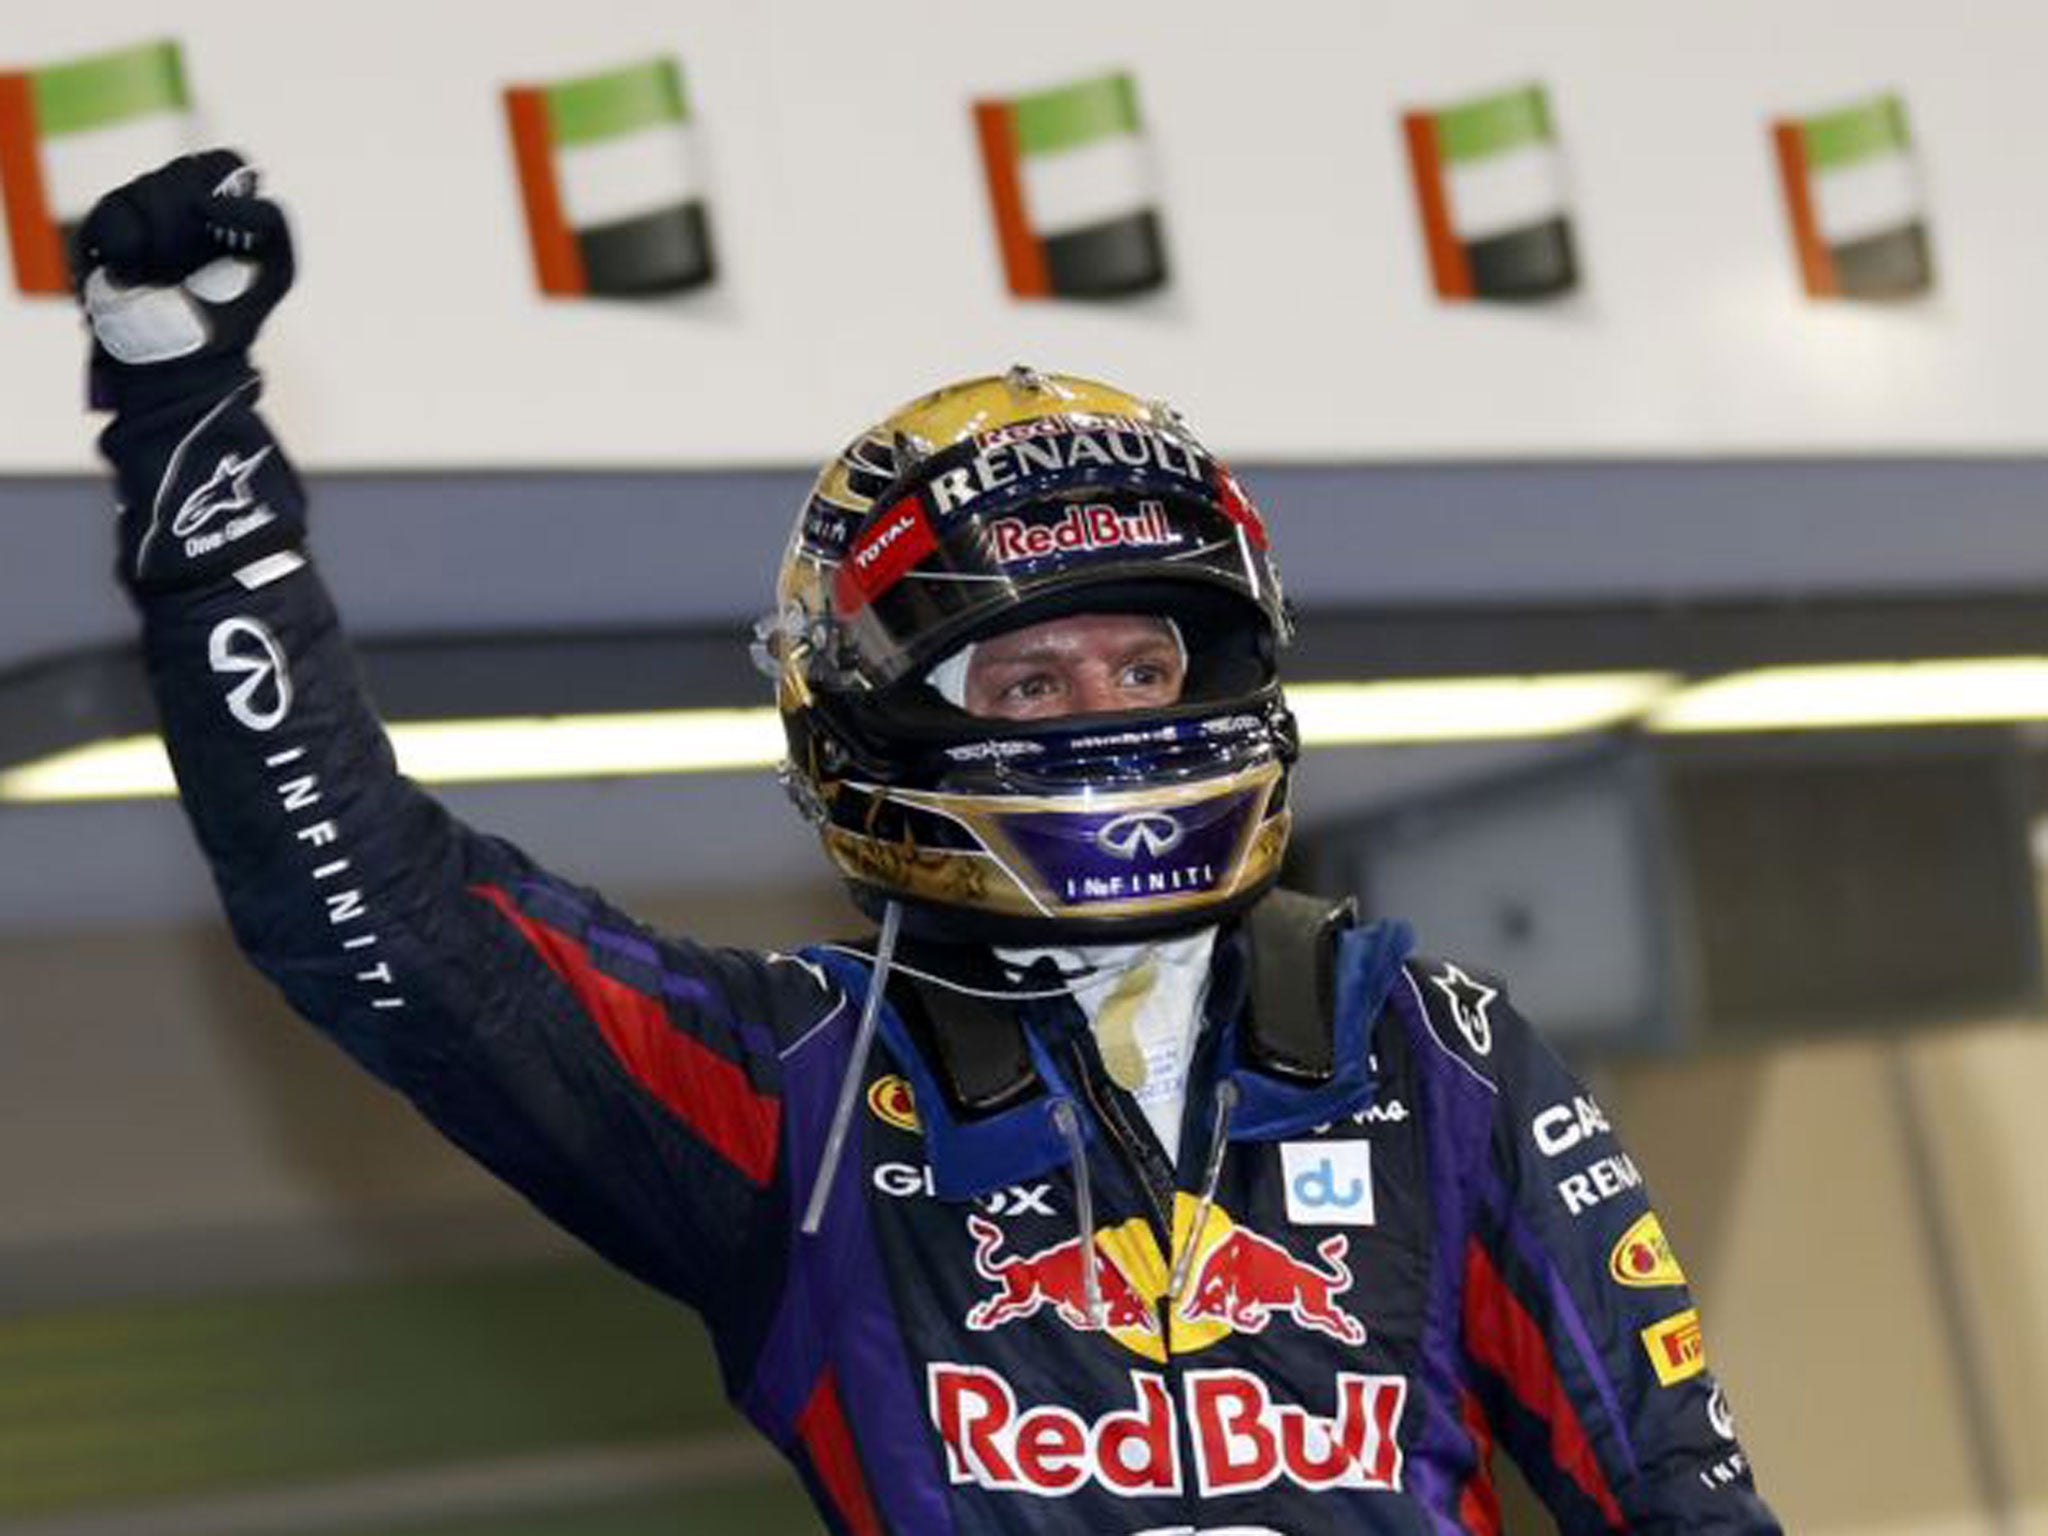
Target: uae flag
pixel 1854 201
pixel 1490 187
pixel 608 171
pixel 73 130
pixel 1070 184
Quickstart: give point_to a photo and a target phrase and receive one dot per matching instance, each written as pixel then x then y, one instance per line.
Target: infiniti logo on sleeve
pixel 245 648
pixel 1150 832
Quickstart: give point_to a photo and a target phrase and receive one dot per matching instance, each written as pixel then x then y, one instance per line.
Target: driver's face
pixel 1088 664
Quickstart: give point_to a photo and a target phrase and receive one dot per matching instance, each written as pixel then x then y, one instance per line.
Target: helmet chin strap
pixel 856 1070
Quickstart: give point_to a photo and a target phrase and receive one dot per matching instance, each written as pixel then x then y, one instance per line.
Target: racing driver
pixel 1106 1189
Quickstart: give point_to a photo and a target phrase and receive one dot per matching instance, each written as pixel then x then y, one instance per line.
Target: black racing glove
pixel 176 271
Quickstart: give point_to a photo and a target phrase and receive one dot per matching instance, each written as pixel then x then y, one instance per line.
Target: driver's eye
pixel 1033 685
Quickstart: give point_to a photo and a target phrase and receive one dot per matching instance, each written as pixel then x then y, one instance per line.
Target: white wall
pixel 860 267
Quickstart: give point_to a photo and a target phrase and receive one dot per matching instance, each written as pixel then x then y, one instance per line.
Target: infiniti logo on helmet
pixel 1150 832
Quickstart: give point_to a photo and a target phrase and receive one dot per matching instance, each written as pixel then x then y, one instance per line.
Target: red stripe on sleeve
pixel 1502 1336
pixel 1478 1501
pixel 705 1091
pixel 822 1428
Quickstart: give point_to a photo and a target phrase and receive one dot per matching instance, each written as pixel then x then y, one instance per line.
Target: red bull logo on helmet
pixel 1237 1281
pixel 1082 529
pixel 1242 1437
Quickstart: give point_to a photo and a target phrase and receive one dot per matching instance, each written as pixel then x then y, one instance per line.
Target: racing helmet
pixel 986 506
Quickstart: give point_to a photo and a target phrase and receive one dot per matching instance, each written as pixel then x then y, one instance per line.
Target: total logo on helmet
pixel 1237 1281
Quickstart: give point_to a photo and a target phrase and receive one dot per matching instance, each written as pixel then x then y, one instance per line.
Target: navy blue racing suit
pixel 1439 1246
pixel 1319 1313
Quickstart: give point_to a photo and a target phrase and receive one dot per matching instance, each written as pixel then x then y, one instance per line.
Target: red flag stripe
pixel 1449 267
pixel 823 1429
pixel 1816 262
pixel 31 230
pixel 557 260
pixel 1504 1338
pixel 1023 256
pixel 705 1091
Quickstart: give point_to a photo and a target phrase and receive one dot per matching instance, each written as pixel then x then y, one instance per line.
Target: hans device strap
pixel 974 1044
pixel 976 1047
pixel 1294 984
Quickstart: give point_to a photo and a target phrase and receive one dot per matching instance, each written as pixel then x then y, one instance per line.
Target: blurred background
pixel 1646 408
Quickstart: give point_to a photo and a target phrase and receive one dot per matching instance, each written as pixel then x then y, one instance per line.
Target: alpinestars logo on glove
pixel 227 489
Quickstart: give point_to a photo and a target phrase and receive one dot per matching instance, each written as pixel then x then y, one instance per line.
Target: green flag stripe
pixel 110 88
pixel 1870 128
pixel 1472 130
pixel 1072 115
pixel 594 107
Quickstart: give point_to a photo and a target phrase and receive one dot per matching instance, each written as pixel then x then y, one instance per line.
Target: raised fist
pixel 177 270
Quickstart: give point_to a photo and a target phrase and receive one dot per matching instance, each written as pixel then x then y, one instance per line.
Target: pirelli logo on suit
pixel 1677 1348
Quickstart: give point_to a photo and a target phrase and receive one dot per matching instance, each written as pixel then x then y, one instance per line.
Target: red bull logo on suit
pixel 1237 1281
pixel 1242 1438
pixel 1246 1280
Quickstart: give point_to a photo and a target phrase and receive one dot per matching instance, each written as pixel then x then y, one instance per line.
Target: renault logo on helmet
pixel 1150 832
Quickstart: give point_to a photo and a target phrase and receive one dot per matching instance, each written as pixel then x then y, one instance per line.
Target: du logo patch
pixel 1329 1183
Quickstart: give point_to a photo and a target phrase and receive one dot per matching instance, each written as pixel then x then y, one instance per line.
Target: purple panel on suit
pixel 1458 1114
pixel 836 1309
